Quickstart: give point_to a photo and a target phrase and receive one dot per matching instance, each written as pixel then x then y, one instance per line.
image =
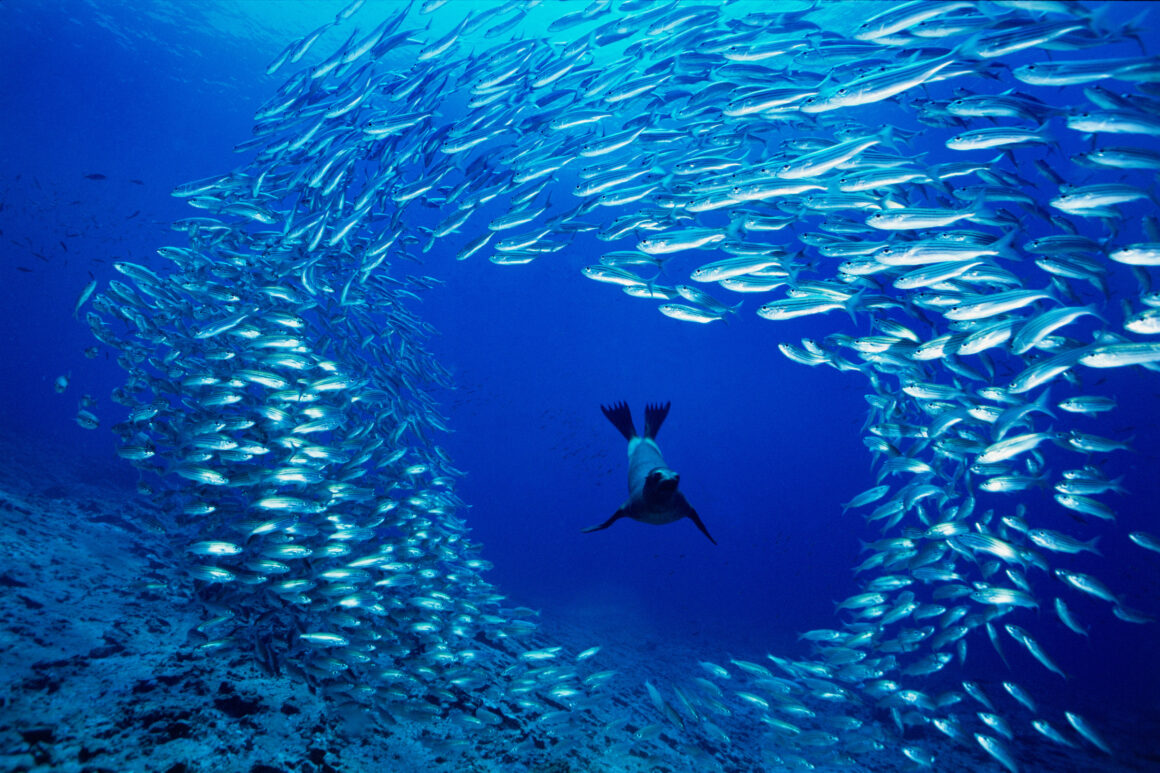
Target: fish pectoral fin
pixel 696 519
pixel 618 514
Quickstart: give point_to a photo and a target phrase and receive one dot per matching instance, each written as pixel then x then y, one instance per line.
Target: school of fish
pixel 278 389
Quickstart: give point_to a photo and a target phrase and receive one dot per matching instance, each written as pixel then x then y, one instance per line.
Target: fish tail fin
pixel 1005 246
pixel 1097 20
pixel 969 48
pixel 1116 487
pixel 1143 278
pixel 851 305
pixel 621 418
pixel 1133 29
pixel 886 137
pixel 1043 403
pixel 978 208
pixel 1094 311
pixel 654 417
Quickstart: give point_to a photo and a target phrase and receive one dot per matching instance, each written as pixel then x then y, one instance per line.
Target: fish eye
pixel 842 91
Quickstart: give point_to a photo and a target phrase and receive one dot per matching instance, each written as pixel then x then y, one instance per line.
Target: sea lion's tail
pixel 654 417
pixel 621 418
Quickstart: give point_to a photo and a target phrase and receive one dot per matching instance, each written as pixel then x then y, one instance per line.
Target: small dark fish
pixel 137 182
pixel 25 270
pixel 130 217
pixel 95 176
pixel 63 246
pixel 1044 169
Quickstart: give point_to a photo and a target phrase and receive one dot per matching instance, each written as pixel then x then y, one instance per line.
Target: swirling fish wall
pixel 279 389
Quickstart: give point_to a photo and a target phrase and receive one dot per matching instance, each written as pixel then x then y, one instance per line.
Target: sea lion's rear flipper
pixel 618 514
pixel 696 519
pixel 654 417
pixel 621 418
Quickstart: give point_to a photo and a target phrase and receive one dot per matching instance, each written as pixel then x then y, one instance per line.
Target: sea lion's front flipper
pixel 618 514
pixel 697 520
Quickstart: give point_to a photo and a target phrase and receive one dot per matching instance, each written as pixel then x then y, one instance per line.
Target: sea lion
pixel 652 484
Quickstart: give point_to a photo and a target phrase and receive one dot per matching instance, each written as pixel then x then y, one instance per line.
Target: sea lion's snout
pixel 663 481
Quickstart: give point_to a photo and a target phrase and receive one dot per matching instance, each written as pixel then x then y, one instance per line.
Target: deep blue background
pixel 768 449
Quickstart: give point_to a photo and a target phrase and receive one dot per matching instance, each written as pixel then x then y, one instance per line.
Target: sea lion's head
pixel 661 482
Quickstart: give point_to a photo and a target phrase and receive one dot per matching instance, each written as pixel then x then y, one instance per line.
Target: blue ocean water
pixel 109 106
